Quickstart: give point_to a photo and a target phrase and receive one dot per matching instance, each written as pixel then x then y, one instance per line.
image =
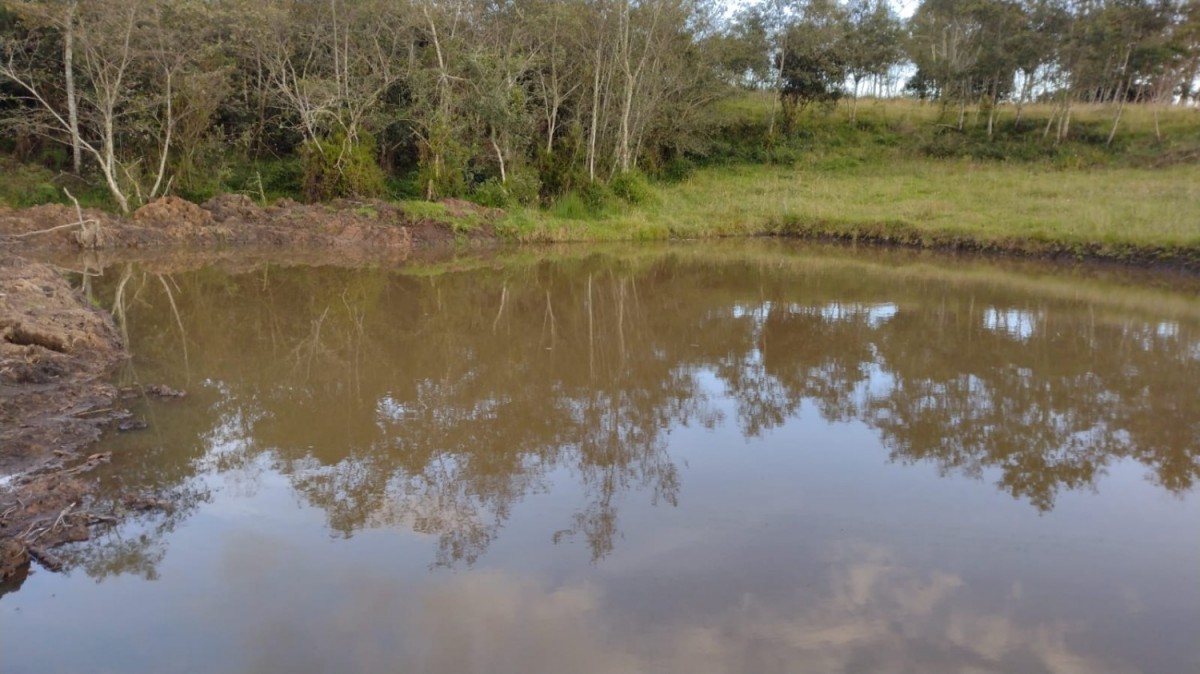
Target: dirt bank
pixel 235 221
pixel 898 234
pixel 56 357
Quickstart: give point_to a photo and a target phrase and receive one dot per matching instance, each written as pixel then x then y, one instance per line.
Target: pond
pixel 753 457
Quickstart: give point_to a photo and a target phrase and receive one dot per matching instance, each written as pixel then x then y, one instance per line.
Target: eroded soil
pixel 231 220
pixel 56 355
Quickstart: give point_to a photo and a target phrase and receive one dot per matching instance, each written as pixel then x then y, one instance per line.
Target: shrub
pixel 284 176
pixel 491 193
pixel 335 167
pixel 571 206
pixel 595 195
pixel 677 169
pixel 631 186
pixel 524 187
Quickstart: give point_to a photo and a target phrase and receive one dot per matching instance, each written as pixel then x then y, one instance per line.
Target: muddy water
pixel 683 459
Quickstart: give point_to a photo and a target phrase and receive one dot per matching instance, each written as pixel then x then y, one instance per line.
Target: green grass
pixel 461 222
pixel 927 201
pixel 900 175
pixel 23 185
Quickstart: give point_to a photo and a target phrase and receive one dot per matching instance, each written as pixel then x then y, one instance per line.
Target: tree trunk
pixel 500 158
pixel 993 106
pixel 1112 133
pixel 108 166
pixel 591 151
pixel 166 144
pixel 72 102
pixel 1064 122
pixel 854 103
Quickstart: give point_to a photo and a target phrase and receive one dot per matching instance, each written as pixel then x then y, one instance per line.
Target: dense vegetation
pixel 568 103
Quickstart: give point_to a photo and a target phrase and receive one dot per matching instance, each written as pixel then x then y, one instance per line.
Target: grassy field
pixel 898 175
pixel 990 202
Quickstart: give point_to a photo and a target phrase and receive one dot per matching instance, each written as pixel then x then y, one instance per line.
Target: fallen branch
pixel 45 558
pixel 81 224
pixel 91 412
pixel 88 237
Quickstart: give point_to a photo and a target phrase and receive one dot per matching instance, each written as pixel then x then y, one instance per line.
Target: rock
pixel 165 391
pixel 132 425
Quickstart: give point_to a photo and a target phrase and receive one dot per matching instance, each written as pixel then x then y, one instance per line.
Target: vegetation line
pixel 1067 126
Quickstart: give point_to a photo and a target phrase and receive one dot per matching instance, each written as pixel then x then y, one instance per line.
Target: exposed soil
pixel 235 221
pixel 56 357
pixel 1181 257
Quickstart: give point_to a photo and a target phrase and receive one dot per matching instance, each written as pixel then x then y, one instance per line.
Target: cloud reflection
pixel 867 613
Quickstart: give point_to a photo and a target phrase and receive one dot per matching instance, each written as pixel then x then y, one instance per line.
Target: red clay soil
pixel 56 357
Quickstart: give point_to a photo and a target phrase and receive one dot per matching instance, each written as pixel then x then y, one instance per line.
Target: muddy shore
pixel 58 354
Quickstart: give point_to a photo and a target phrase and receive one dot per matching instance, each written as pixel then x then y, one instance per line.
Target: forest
pixel 523 102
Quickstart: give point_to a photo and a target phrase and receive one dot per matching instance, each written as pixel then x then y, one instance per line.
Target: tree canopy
pixel 516 100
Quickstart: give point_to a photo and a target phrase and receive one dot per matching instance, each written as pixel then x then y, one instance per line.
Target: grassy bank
pixel 1022 208
pixel 900 172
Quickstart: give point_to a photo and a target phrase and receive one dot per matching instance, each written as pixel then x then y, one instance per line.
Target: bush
pixel 284 176
pixel 334 167
pixel 491 193
pixel 571 206
pixel 631 186
pixel 559 172
pixel 595 195
pixel 524 187
pixel 677 169
pixel 946 145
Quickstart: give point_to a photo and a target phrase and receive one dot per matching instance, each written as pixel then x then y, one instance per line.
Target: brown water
pixel 751 458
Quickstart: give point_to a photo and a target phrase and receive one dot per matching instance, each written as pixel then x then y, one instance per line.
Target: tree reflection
pixel 440 403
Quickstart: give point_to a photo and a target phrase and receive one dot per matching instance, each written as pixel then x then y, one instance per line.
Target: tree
pixel 872 43
pixel 813 61
pixel 742 52
pixel 110 42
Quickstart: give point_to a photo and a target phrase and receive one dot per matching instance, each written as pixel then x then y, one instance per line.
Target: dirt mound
pixel 234 220
pixel 172 212
pixel 56 354
pixel 25 220
pixel 236 207
pixel 459 208
pixel 49 226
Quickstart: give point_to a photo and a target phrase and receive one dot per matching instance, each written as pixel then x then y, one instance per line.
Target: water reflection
pixel 666 460
pixel 869 614
pixel 437 403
